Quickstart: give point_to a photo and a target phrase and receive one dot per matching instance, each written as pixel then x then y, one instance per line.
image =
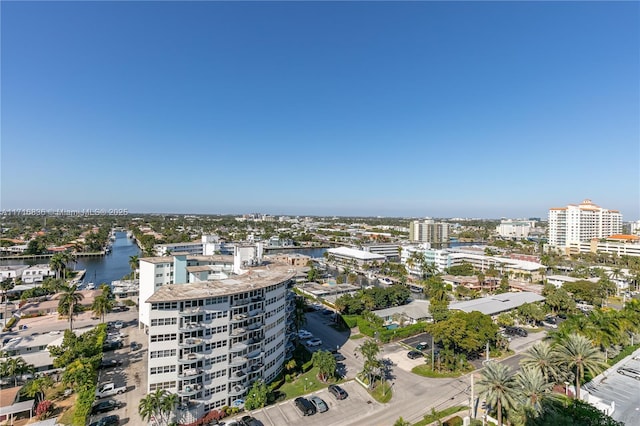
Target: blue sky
pixel 482 109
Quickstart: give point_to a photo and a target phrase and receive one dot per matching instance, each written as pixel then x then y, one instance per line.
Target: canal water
pixel 101 269
pixel 113 266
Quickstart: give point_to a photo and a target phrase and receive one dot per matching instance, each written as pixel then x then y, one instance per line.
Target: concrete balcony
pixel 189 390
pixel 237 332
pixel 238 318
pixel 192 326
pixel 238 361
pixel 238 347
pixel 189 358
pixel 255 354
pixel 255 326
pixel 256 312
pixel 190 373
pixel 190 342
pixel 237 390
pixel 191 311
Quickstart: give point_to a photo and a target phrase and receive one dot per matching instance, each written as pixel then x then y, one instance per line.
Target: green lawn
pixel 425 371
pixel 430 418
pixel 383 392
pixel 356 336
pixel 305 383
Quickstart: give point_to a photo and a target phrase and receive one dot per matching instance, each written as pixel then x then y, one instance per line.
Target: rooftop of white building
pixel 255 278
pixel 201 258
pixel 498 303
pixel 357 254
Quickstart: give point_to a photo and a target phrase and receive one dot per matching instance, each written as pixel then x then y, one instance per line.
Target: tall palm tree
pixel 101 306
pixel 168 404
pixel 36 387
pixel 541 356
pixel 578 354
pixel 134 263
pixel 68 303
pixel 15 367
pixel 532 388
pixel 147 408
pixel 497 387
pixel 370 351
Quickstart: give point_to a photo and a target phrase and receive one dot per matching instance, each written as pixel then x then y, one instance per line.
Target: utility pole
pixel 432 353
pixel 472 412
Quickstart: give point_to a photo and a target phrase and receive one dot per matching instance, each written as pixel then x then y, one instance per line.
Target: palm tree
pixel 578 354
pixel 497 387
pixel 101 306
pixel 326 364
pixel 541 357
pixel 168 404
pixel 533 388
pixel 134 263
pixel 36 387
pixel 68 303
pixel 147 408
pixel 370 350
pixel 15 367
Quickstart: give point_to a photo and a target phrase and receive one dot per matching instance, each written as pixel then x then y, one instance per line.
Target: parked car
pixel 304 334
pixel 109 389
pixel 118 324
pixel 135 346
pixel 314 342
pixel 414 354
pixel 338 392
pixel 112 420
pixel 104 406
pixel 111 346
pixel 630 372
pixel 320 405
pixel 338 356
pixel 516 331
pixel 250 421
pixel 305 407
pixel 550 322
pixel 422 346
pixel 110 363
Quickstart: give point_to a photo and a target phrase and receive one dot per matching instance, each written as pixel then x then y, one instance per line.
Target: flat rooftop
pixel 356 254
pixel 255 278
pixel 498 303
pixel 201 258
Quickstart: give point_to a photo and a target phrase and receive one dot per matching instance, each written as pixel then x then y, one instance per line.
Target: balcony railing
pixel 189 390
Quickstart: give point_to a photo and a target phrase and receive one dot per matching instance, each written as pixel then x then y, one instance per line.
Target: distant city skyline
pixel 409 109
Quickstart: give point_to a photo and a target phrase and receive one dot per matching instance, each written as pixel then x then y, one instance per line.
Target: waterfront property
pixel 215 324
pixel 351 257
pixel 578 223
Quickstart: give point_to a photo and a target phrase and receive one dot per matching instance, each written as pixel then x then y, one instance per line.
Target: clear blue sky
pixel 483 109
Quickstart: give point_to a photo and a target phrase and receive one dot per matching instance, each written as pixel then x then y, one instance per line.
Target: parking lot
pixel 346 411
pixel 621 389
pixel 131 373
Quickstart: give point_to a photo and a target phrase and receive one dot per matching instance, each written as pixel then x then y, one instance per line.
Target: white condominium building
pixel 516 229
pixel 582 222
pixel 212 333
pixel 428 231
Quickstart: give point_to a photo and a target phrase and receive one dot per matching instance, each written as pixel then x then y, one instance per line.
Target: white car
pixel 304 334
pixel 314 342
pixel 118 324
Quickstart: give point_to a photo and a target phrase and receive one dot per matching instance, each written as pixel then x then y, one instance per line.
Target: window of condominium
pixel 163 337
pixel 163 354
pixel 164 306
pixel 163 369
pixel 163 321
pixel 163 385
pixel 193 303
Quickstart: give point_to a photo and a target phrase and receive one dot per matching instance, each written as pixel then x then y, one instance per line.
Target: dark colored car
pixel 111 346
pixel 414 354
pixel 305 406
pixel 113 420
pixel 337 392
pixel 250 421
pixel 422 346
pixel 338 356
pixel 516 331
pixel 104 406
pixel 110 363
pixel 135 346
